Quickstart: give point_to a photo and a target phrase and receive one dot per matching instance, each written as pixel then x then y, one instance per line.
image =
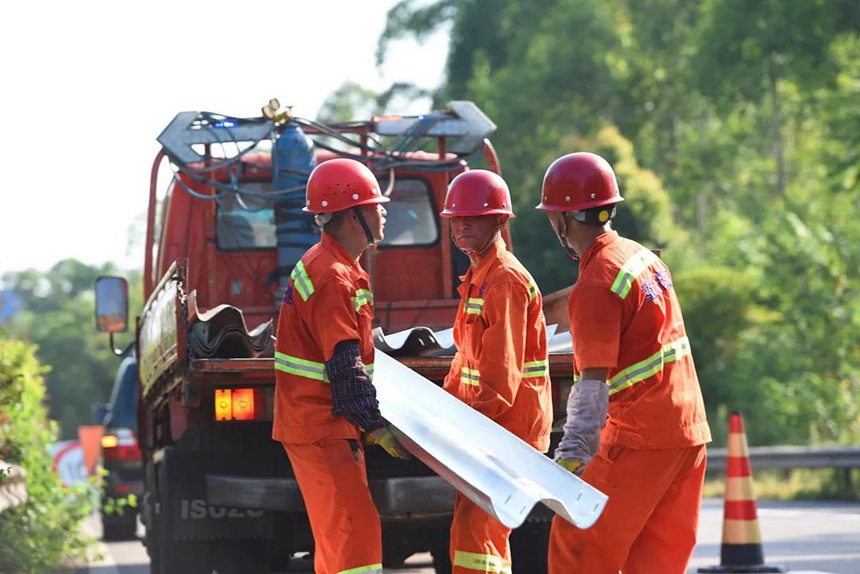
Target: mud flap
pixel 183 495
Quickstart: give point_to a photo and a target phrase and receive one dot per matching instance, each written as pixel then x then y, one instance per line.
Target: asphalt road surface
pixel 802 536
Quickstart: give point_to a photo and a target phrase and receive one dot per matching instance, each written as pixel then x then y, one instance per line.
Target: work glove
pixel 586 415
pixel 385 438
pixel 571 465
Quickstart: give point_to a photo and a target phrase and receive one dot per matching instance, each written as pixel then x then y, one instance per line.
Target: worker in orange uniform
pixel 501 367
pixel 324 353
pixel 632 362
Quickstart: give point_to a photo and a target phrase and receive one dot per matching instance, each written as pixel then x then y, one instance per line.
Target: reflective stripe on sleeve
pixel 362 297
pixel 535 369
pixel 481 562
pixel 474 306
pixel 649 367
pixel 470 376
pixel 302 281
pixel 533 290
pixel 631 269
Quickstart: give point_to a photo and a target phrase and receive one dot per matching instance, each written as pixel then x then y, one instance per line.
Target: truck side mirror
pixel 112 304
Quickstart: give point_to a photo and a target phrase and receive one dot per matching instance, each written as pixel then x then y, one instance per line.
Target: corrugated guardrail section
pixel 13 486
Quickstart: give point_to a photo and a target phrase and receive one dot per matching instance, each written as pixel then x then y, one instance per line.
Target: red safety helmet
pixel 578 181
pixel 477 192
pixel 339 184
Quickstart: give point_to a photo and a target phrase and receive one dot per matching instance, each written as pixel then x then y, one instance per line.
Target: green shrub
pixel 45 533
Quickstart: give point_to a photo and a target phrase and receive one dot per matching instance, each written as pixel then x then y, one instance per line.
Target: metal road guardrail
pixel 13 486
pixel 789 457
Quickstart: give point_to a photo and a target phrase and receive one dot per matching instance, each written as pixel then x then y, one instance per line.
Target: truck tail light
pixel 246 404
pixel 120 445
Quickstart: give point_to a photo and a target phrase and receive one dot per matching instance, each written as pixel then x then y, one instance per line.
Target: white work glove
pixel 586 415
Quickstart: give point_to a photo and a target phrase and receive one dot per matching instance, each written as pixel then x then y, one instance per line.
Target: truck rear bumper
pixel 401 498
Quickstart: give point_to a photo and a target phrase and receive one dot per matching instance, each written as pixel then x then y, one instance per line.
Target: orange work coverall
pixel 328 300
pixel 501 370
pixel 624 315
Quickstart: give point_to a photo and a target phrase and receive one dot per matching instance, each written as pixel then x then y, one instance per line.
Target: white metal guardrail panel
pixel 494 468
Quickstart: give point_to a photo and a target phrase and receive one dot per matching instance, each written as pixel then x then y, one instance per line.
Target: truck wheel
pixel 168 555
pixel 396 548
pixel 529 546
pixel 113 529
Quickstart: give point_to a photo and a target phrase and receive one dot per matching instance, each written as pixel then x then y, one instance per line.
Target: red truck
pixel 219 494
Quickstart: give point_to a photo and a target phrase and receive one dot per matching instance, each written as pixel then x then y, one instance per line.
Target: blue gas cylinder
pixel 293 158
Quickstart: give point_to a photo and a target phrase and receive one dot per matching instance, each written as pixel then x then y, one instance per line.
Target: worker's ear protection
pixel 594 216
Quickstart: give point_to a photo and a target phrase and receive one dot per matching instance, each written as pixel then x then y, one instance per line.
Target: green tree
pixel 45 532
pixel 734 128
pixel 60 319
pixel 348 102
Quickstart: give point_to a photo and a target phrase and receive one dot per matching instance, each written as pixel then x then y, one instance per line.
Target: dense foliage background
pixel 734 128
pixel 45 532
pixel 58 314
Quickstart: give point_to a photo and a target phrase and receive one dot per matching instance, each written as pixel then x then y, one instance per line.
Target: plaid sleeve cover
pixel 352 391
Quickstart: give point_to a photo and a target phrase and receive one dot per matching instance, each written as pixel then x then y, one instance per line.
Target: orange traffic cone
pixel 741 550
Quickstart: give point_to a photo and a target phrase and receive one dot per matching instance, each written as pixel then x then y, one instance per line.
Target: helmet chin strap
pixel 484 248
pixel 562 237
pixel 370 238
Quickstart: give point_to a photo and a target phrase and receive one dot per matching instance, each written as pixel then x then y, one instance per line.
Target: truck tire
pixel 114 528
pixel 169 556
pixel 440 542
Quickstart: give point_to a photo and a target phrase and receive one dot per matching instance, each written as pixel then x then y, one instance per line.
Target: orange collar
pixel 477 275
pixel 599 243
pixel 331 245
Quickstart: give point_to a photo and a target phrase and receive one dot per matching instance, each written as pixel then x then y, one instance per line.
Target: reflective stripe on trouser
pixel 372 569
pixel 479 542
pixel 650 521
pixel 535 369
pixel 344 520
